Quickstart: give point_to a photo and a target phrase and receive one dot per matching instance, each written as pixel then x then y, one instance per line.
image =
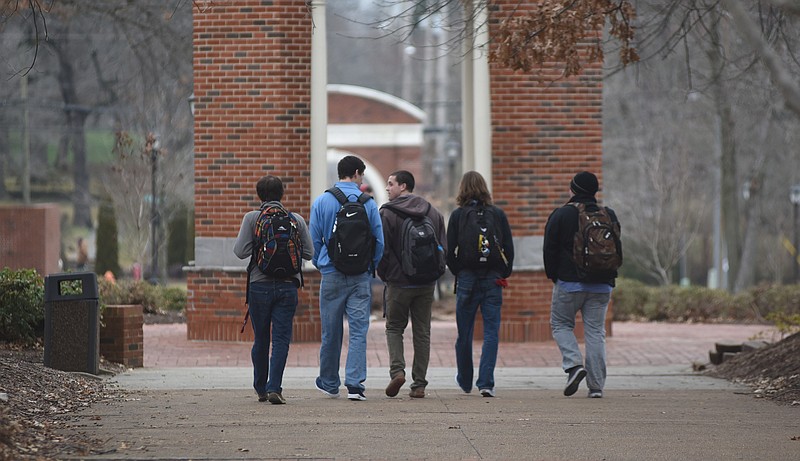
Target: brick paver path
pixel 632 344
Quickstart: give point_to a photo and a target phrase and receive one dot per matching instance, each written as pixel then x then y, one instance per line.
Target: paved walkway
pixel 632 344
pixel 194 400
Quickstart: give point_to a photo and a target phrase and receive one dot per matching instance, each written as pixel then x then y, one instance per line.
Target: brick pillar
pixel 122 336
pixel 542 134
pixel 252 87
pixel 30 237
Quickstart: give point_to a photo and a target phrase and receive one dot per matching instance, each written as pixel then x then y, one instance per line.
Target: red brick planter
pixel 121 335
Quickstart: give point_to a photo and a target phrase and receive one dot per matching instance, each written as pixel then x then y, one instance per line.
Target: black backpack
pixel 480 241
pixel 277 247
pixel 421 257
pixel 596 246
pixel 352 245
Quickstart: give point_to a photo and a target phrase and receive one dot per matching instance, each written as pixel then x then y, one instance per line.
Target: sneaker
pixel 263 397
pixel 355 394
pixel 276 398
pixel 329 394
pixel 574 380
pixel 487 392
pixel 459 386
pixel 395 384
pixel 595 394
pixel 417 392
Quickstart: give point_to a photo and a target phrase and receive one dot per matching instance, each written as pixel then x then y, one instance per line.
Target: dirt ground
pixel 773 371
pixel 35 401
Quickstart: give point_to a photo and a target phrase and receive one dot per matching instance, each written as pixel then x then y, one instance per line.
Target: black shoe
pixel 574 380
pixel 263 397
pixel 354 393
pixel 276 398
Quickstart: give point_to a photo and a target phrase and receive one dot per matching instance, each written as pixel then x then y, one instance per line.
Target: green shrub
pixel 629 299
pixel 153 298
pixel 173 299
pixel 107 258
pixel 21 304
pixel 178 238
pixel 633 300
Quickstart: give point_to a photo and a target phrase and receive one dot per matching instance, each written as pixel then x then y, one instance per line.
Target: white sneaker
pixel 595 394
pixel 487 392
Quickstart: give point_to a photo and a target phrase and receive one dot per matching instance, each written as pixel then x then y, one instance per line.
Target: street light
pixel 794 197
pixel 153 145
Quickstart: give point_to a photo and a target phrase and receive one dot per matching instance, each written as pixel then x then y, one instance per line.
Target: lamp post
pixel 794 196
pixel 152 143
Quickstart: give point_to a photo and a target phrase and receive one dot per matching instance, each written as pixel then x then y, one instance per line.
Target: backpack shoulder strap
pixel 364 198
pixel 338 194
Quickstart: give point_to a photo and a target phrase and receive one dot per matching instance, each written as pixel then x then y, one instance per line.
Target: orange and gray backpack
pixel 277 248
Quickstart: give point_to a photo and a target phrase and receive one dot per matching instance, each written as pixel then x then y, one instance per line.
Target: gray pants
pixel 593 307
pixel 403 303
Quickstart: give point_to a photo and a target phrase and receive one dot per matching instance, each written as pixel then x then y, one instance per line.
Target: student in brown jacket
pixel 408 296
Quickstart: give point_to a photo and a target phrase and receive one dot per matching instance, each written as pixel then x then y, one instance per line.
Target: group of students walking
pixel 349 239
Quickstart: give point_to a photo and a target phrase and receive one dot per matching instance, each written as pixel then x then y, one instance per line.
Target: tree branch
pixel 750 30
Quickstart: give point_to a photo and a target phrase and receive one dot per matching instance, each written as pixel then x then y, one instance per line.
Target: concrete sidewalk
pixel 654 406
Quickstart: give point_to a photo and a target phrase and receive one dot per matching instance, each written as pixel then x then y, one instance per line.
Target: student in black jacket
pixel 480 253
pixel 575 292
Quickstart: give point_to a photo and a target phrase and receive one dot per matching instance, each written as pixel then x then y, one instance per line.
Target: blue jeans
pixel 344 296
pixel 593 307
pixel 477 291
pixel 272 307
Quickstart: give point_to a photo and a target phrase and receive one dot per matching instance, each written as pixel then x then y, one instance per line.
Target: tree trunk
pixel 81 198
pixel 5 155
pixel 729 189
pixel 76 121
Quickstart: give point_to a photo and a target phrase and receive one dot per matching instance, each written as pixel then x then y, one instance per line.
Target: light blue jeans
pixel 344 296
pixel 593 307
pixel 272 308
pixel 475 292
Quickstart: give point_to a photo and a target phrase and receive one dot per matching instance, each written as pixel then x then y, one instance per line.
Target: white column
pixel 319 100
pixel 482 115
pixel 467 106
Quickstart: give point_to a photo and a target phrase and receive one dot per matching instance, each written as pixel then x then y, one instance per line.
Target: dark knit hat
pixel 584 183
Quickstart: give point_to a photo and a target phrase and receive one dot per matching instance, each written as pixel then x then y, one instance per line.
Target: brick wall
pixel 348 108
pixel 30 237
pixel 216 307
pixel 543 132
pixel 252 83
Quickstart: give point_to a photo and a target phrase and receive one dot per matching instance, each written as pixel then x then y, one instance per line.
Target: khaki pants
pixel 403 303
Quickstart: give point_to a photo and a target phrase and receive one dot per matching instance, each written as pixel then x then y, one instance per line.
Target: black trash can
pixel 72 322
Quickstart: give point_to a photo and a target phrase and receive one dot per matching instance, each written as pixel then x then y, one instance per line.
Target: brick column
pixel 252 84
pixel 122 336
pixel 542 134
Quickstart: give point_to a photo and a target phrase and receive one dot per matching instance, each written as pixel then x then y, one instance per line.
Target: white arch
pixel 372 175
pixel 380 96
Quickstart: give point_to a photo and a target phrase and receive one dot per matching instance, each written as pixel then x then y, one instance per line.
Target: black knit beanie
pixel 584 183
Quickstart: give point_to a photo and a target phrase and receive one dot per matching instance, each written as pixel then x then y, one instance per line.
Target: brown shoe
pixel 395 384
pixel 417 393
